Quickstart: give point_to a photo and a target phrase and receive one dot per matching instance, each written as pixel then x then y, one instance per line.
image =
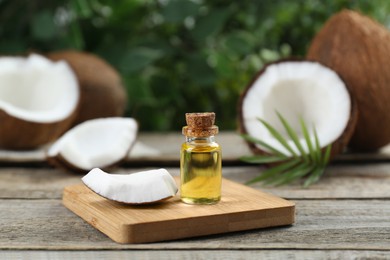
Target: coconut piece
pixel 358 49
pixel 298 89
pixel 96 143
pixel 136 188
pixel 38 101
pixel 102 91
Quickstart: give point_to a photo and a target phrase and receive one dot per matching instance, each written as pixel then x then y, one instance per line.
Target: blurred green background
pixel 176 56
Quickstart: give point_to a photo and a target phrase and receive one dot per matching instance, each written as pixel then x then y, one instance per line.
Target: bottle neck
pixel 207 139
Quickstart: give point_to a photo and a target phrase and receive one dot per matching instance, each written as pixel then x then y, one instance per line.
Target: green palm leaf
pixel 310 165
pixel 294 174
pixel 327 155
pixel 317 145
pixel 265 145
pixel 278 137
pixel 262 159
pixel 314 177
pixel 274 170
pixel 293 136
pixel 306 135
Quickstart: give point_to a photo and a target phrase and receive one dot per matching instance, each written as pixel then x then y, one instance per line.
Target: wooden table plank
pixel 196 254
pixel 345 215
pixel 368 181
pixel 340 182
pixel 320 225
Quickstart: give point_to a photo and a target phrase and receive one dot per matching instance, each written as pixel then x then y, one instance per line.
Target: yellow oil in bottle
pixel 201 173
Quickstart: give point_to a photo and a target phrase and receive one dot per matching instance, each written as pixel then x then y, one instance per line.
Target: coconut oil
pixel 200 161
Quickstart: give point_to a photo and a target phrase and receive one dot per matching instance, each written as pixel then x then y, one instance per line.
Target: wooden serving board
pixel 241 208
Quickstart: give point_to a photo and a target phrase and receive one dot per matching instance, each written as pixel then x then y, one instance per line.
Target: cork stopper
pixel 200 125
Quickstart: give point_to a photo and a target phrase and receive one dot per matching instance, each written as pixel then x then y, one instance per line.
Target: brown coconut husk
pixel 17 134
pixel 338 146
pixel 358 49
pixel 102 91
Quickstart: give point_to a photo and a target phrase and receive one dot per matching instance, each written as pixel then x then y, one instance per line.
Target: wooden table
pixel 346 215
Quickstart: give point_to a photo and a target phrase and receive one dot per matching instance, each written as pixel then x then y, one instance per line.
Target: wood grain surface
pixel 368 181
pixel 195 254
pixel 319 225
pixel 240 208
pixel 344 216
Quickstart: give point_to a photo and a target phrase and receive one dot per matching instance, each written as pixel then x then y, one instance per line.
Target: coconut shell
pixel 338 146
pixel 17 134
pixel 61 163
pixel 358 49
pixel 58 160
pixel 102 91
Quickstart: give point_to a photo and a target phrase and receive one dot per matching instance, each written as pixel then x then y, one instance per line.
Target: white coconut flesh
pixel 303 89
pixel 96 143
pixel 36 89
pixel 136 188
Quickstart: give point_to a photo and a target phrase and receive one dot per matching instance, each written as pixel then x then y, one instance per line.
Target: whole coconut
pixel 358 49
pixel 102 91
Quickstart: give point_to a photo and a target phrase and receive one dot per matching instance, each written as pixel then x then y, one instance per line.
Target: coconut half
pixel 38 101
pixel 137 188
pixel 96 143
pixel 298 89
pixel 358 49
pixel 102 90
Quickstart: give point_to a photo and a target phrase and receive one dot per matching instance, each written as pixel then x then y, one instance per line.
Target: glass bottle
pixel 200 161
